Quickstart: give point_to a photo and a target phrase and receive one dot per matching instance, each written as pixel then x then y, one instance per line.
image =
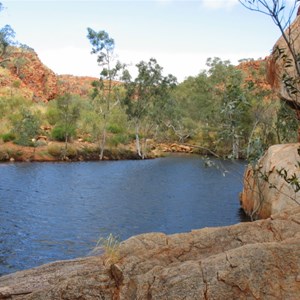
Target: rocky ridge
pixel 258 260
pixel 25 74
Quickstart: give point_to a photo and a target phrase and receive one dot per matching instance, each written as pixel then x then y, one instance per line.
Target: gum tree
pixel 67 115
pixel 26 126
pixel 147 100
pixel 106 93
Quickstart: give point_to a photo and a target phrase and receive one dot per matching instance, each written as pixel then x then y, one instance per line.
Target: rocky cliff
pixel 273 185
pixel 258 260
pixel 281 64
pixel 255 72
pixel 79 85
pixel 25 74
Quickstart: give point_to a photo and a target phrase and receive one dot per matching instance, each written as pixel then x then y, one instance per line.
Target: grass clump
pixel 54 150
pixel 110 247
pixel 71 151
pixel 59 151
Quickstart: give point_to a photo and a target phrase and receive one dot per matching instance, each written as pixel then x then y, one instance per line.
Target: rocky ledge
pixel 258 260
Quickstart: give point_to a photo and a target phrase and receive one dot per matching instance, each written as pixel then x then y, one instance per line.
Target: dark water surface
pixel 54 211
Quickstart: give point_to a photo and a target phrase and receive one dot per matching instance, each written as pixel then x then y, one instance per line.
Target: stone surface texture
pixel 258 260
pixel 277 65
pixel 265 192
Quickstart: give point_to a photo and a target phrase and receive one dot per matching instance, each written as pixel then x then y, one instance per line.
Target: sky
pixel 181 35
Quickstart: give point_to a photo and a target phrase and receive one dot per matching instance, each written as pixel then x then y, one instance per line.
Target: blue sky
pixel 181 35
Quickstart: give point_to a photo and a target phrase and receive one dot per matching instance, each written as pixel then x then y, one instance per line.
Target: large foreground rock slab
pixel 258 260
pixel 265 191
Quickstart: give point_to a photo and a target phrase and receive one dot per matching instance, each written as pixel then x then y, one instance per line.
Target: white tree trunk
pixel 137 141
pixel 103 141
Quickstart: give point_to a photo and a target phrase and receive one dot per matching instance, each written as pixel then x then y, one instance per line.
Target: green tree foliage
pixel 65 115
pixel 11 51
pixel 26 126
pixel 286 124
pixel 226 113
pixel 7 39
pixel 10 106
pixel 235 116
pixel 148 99
pixel 106 92
pixel 7 36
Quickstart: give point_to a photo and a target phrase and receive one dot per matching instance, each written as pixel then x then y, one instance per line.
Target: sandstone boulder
pixel 267 189
pixel 258 260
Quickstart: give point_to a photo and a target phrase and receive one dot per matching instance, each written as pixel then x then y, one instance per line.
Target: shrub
pixel 71 151
pixel 26 126
pixel 52 115
pixel 7 137
pixel 86 150
pixel 59 133
pixel 40 143
pixel 54 150
pixel 58 151
pixel 113 128
pixel 118 139
pixel 14 153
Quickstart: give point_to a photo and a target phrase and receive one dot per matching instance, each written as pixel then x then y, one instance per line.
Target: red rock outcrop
pixel 255 72
pixel 277 65
pixel 258 260
pixel 26 74
pixel 79 85
pixel 34 75
pixel 272 186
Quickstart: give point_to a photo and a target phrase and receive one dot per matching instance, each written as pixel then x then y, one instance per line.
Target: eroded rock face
pixel 265 191
pixel 34 75
pixel 258 260
pixel 26 75
pixel 78 85
pixel 277 64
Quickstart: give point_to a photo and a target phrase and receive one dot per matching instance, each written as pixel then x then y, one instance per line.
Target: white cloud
pixel 70 60
pixel 79 61
pixel 219 4
pixel 184 64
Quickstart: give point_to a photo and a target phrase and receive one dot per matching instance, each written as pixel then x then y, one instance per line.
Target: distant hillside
pixel 79 85
pixel 26 75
